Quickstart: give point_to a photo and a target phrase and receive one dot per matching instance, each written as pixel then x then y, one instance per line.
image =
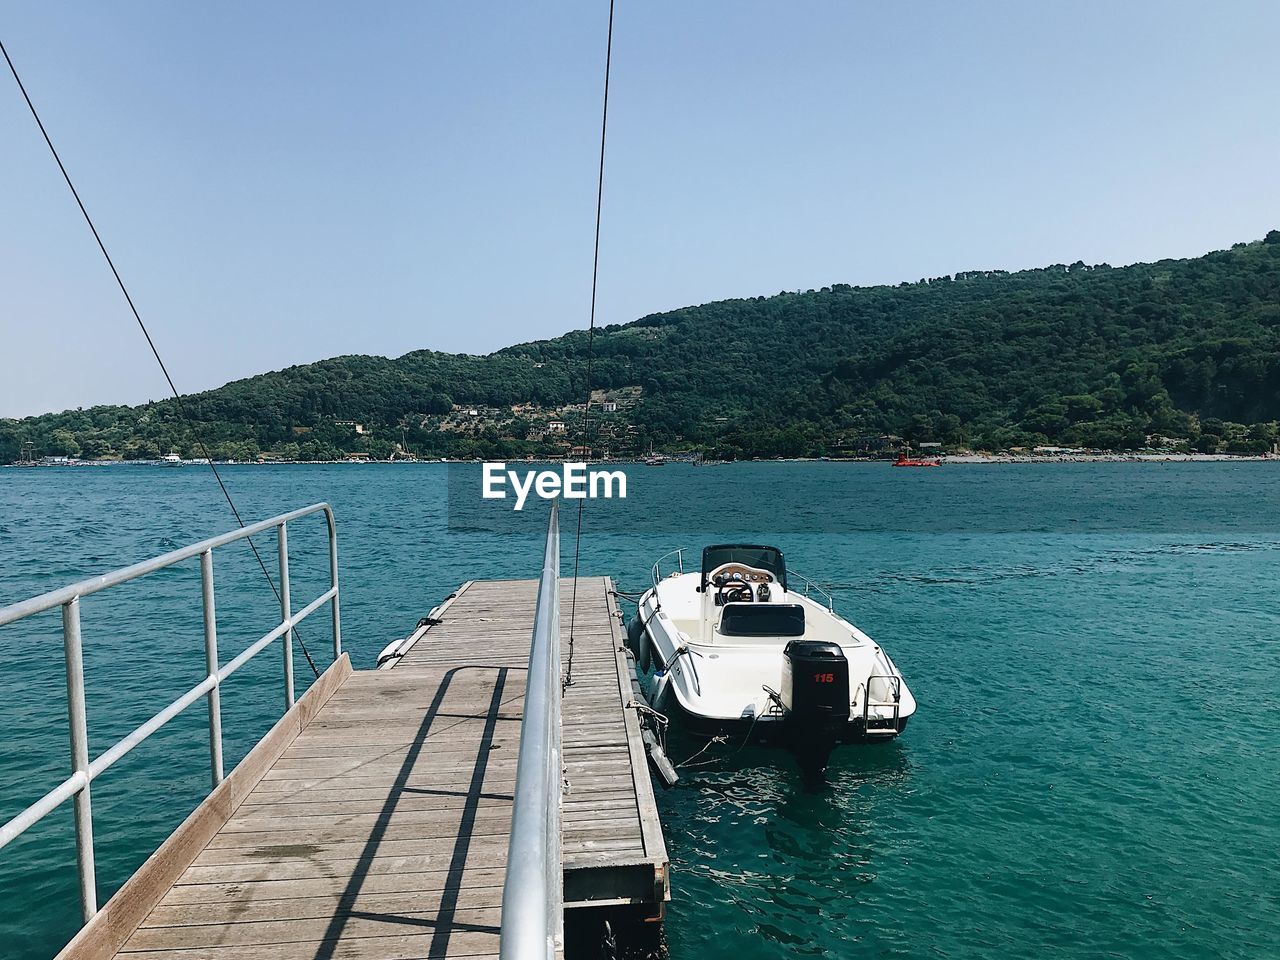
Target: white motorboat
pixel 744 646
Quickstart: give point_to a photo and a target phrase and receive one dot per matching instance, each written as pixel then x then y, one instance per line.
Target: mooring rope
pixel 182 410
pixel 591 334
pixel 722 738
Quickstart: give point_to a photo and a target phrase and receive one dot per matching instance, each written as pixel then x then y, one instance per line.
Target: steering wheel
pixel 737 583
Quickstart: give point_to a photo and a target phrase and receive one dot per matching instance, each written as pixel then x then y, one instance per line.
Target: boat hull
pixel 663 695
pixel 770 731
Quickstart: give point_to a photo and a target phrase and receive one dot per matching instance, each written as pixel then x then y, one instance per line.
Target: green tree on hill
pixel 1074 355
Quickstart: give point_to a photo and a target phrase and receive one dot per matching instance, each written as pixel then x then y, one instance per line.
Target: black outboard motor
pixel 815 694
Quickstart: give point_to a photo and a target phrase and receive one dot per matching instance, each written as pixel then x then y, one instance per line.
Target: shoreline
pixel 979 458
pixel 953 459
pixel 996 458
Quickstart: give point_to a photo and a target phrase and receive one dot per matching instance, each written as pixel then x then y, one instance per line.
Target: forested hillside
pixel 1077 355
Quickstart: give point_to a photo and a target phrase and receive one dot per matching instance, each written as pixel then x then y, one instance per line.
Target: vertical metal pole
pixel 333 582
pixel 282 544
pixel 211 666
pixel 79 755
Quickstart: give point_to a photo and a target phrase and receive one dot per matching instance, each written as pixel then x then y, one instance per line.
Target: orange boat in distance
pixel 904 460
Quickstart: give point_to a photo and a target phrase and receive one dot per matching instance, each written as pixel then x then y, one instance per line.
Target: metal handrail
pixel 809 585
pixel 85 771
pixel 533 892
pixel 657 573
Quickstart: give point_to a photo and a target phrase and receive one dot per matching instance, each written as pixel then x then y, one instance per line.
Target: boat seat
pixel 762 620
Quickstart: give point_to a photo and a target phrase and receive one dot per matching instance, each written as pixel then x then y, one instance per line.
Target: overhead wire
pixel 182 410
pixel 591 332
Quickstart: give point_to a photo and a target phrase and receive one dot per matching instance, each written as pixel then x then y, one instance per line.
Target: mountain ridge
pixel 1187 350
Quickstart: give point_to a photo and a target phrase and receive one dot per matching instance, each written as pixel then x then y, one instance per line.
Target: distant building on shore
pixel 880 444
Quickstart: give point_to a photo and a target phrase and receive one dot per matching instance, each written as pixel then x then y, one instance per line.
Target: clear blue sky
pixel 283 182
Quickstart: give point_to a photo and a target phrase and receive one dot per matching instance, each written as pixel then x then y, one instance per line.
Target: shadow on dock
pixel 445 921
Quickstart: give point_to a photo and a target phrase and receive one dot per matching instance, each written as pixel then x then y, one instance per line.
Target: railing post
pixel 211 666
pixel 333 582
pixel 282 546
pixel 79 755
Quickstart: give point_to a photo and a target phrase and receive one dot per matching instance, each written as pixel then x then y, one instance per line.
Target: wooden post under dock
pixel 373 820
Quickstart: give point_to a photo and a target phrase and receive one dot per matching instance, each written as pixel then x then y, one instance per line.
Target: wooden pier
pixel 372 822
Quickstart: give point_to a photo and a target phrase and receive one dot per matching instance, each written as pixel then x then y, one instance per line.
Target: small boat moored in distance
pixel 905 460
pixel 736 649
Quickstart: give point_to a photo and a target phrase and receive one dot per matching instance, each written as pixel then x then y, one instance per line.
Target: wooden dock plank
pixel 595 735
pixel 419 880
pixel 602 750
pixel 378 826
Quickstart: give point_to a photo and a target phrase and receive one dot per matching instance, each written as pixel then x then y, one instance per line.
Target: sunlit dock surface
pixel 373 821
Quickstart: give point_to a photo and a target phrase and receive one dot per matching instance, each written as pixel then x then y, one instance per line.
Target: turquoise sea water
pixel 1094 770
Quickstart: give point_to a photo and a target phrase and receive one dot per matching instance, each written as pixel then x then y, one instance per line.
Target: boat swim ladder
pixel 894 683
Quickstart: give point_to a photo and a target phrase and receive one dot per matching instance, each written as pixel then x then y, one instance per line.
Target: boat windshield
pixel 751 555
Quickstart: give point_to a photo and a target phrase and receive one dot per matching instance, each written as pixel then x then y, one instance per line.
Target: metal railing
pixel 810 587
pixel 657 571
pixel 84 770
pixel 533 893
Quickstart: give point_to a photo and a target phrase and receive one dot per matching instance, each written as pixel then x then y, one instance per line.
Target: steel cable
pixel 182 410
pixel 591 332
